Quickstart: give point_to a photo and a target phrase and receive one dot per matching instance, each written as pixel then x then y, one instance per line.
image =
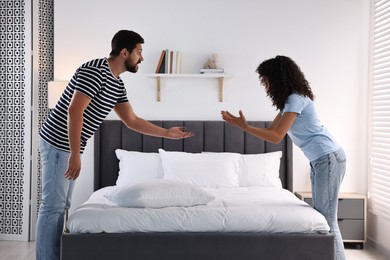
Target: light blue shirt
pixel 307 132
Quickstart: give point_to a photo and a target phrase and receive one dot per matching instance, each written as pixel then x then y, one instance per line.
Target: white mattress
pixel 244 209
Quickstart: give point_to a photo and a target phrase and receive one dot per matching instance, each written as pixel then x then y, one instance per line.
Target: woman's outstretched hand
pixel 239 121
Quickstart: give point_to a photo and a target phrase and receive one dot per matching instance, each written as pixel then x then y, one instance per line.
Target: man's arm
pixel 132 121
pixel 76 109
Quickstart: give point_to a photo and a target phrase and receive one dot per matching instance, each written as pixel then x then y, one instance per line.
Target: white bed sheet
pixel 244 209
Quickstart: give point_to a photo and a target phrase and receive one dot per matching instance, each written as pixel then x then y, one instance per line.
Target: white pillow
pixel 210 170
pixel 137 167
pixel 260 169
pixel 159 194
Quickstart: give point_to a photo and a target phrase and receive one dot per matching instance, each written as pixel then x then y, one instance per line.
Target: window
pixel 379 110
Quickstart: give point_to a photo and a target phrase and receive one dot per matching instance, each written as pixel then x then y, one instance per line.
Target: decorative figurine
pixel 212 63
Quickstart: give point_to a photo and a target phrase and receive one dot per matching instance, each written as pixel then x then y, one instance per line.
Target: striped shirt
pixel 95 80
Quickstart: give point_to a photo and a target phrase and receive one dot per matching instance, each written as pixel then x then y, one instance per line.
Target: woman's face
pixel 264 82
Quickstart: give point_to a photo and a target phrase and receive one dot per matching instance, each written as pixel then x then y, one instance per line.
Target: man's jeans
pixel 56 198
pixel 327 173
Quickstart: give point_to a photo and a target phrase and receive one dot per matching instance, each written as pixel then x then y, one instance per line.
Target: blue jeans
pixel 56 198
pixel 327 173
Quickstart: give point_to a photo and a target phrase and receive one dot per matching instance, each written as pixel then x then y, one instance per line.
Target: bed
pixel 211 137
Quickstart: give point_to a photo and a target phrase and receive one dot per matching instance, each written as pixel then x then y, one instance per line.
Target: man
pixel 94 90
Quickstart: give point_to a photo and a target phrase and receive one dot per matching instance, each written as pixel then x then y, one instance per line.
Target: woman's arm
pixel 274 134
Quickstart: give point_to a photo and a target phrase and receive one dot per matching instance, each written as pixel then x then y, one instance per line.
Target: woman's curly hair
pixel 284 77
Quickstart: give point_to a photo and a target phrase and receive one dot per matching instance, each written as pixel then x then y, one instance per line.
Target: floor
pixel 14 250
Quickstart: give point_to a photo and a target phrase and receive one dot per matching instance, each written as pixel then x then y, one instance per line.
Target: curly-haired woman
pixel 291 94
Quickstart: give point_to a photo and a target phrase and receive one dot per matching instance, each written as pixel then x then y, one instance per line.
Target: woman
pixel 291 94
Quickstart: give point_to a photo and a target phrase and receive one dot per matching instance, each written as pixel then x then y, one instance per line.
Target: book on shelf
pixel 161 63
pixel 178 62
pixel 169 62
pixel 217 70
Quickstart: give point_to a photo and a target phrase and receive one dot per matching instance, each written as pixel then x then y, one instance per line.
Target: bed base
pixel 196 246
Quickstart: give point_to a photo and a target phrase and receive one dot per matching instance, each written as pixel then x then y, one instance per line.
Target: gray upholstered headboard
pixel 211 136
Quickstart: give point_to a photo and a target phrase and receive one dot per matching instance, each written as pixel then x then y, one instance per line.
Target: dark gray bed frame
pixel 213 136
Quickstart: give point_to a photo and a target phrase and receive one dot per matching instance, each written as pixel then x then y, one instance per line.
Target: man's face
pixel 135 58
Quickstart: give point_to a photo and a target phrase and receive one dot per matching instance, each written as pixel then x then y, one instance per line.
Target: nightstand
pixel 351 214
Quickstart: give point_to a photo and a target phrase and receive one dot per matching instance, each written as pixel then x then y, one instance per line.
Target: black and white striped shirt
pixel 95 80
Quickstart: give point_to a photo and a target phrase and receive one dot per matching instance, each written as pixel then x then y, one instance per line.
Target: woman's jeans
pixel 327 173
pixel 56 198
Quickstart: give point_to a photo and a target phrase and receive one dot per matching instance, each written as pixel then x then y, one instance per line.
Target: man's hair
pixel 124 39
pixel 284 78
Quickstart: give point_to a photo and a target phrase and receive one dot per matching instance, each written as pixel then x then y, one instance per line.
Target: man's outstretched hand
pixel 178 133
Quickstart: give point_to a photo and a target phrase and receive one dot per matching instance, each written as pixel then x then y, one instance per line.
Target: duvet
pixel 241 209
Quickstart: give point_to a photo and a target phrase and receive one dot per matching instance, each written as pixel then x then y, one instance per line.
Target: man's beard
pixel 131 68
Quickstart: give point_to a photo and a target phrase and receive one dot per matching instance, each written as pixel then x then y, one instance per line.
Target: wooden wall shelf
pixel 219 76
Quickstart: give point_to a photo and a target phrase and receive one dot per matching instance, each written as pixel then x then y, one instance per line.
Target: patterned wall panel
pixel 12 116
pixel 14 41
pixel 45 68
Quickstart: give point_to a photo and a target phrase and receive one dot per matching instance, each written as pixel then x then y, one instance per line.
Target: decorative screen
pixel 12 116
pixel 24 25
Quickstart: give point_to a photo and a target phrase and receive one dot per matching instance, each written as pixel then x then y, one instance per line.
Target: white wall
pixel 327 38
